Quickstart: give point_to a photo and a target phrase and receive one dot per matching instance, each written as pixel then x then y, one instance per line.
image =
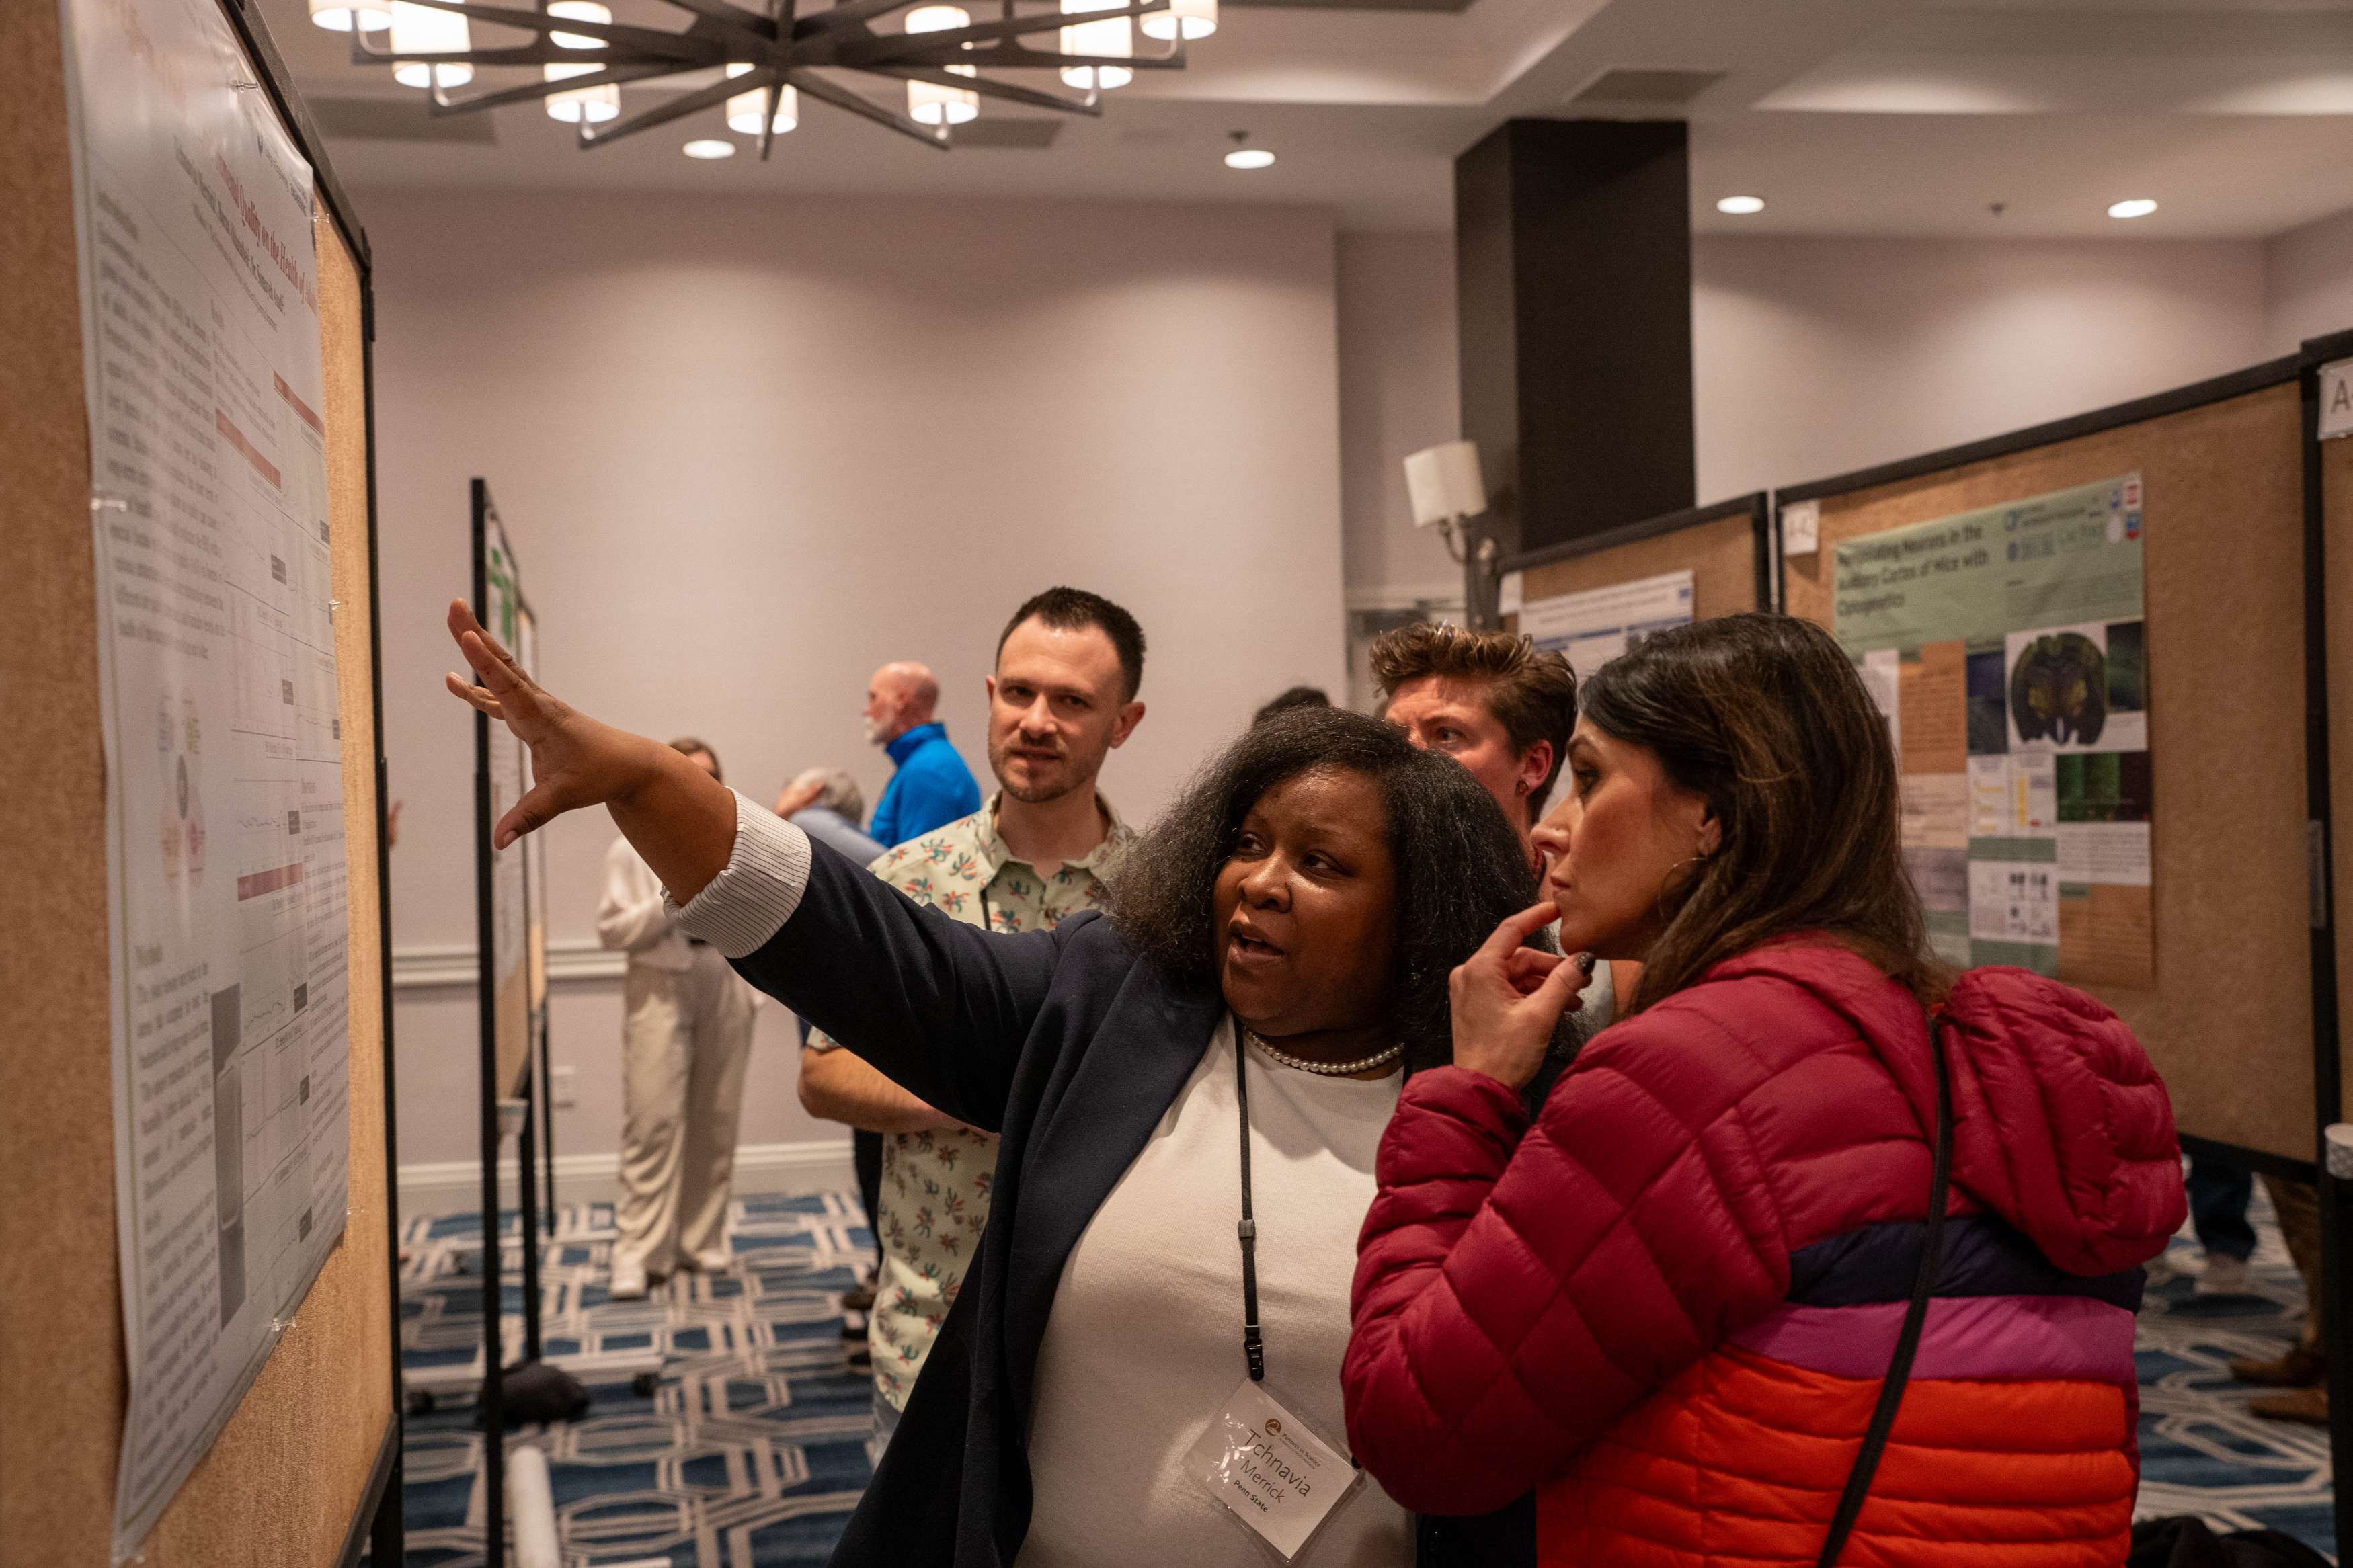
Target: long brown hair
pixel 1765 716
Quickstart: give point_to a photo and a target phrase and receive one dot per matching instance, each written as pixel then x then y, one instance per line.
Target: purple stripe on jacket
pixel 2012 1338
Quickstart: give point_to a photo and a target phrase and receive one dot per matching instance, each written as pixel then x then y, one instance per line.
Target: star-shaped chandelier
pixel 766 59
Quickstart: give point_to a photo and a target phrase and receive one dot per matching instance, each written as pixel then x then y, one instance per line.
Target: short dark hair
pixel 1068 609
pixel 687 745
pixel 1297 697
pixel 1531 691
pixel 1459 866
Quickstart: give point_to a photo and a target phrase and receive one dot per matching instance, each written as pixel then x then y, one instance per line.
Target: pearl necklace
pixel 1324 1070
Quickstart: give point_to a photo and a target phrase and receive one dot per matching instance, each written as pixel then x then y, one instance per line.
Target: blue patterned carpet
pixel 2201 1453
pixel 751 1452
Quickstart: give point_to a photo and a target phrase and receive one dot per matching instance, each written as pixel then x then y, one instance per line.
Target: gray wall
pixel 749 451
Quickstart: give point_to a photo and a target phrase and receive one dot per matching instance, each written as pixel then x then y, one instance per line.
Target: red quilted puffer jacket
pixel 1665 1307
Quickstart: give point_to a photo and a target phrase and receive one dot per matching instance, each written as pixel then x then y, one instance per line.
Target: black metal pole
pixel 547 1100
pixel 387 1541
pixel 492 1403
pixel 2328 1077
pixel 527 1204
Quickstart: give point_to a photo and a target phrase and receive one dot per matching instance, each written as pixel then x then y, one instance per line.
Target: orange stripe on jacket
pixel 1738 1463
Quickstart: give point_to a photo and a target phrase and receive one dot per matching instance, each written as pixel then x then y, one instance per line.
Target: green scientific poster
pixel 2007 649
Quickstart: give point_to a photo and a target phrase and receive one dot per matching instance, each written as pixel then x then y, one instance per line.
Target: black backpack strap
pixel 1916 1318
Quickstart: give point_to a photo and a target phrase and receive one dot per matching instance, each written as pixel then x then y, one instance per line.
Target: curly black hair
pixel 1461 869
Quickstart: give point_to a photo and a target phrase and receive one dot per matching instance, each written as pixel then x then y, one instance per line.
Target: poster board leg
pixel 388 1533
pixel 548 1131
pixel 527 1207
pixel 2336 1344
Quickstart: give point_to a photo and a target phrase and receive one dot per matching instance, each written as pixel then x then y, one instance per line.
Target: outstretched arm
pixel 677 816
pixel 941 1008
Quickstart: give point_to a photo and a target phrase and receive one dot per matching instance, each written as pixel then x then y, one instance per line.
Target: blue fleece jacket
pixel 931 788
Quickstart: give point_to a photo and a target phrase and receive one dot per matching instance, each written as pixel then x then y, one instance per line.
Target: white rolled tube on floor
pixel 531 1509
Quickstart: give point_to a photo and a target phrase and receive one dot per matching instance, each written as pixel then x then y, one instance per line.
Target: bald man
pixel 930 787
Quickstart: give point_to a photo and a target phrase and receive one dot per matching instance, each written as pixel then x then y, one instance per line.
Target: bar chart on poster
pixel 2005 647
pixel 223 739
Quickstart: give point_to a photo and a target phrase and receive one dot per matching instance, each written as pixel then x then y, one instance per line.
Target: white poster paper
pixel 224 766
pixel 1593 627
pixel 2014 901
pixel 503 617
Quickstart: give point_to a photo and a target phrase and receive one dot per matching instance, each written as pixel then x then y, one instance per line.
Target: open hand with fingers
pixel 574 760
pixel 1508 999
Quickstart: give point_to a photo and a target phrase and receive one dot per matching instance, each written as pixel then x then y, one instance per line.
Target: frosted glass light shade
pixel 421 29
pixel 1443 482
pixel 928 103
pixel 585 105
pixel 1115 37
pixel 1197 18
pixel 744 109
pixel 340 15
pixel 578 11
pixel 594 105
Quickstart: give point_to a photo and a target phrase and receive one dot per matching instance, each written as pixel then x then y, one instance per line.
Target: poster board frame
pixel 275 1483
pixel 2328 752
pixel 2297 847
pixel 1670 541
pixel 1803 592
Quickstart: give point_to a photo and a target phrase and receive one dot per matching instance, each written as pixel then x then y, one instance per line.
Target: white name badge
pixel 1271 1471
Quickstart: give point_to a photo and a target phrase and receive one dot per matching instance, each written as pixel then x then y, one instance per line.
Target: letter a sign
pixel 2336 399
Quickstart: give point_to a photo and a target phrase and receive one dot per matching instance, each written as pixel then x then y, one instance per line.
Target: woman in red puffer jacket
pixel 1653 1325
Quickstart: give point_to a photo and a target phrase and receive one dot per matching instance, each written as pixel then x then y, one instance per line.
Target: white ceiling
pixel 1879 117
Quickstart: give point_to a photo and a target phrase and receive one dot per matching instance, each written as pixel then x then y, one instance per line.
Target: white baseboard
pixel 444 967
pixel 455 1186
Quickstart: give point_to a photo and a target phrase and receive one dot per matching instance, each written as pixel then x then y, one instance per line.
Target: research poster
pixel 2008 650
pixel 1593 627
pixel 224 757
pixel 502 612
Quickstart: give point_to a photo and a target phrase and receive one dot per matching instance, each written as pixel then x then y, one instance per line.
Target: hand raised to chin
pixel 1508 999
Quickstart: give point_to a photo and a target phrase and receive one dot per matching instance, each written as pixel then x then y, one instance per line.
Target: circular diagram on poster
pixel 2059 689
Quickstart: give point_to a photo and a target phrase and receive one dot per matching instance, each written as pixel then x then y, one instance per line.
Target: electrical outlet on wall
pixel 567 1094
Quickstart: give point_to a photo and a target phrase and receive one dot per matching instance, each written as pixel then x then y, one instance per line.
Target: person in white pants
pixel 685 1038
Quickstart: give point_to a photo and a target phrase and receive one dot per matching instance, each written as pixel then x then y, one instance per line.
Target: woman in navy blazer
pixel 1318 882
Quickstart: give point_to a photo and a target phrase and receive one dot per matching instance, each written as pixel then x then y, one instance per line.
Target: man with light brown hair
pixel 1494 703
pixel 1502 708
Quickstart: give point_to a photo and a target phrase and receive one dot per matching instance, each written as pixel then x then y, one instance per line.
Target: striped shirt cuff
pixel 739 910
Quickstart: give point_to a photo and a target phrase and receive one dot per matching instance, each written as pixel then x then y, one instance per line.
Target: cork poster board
pixel 1720 552
pixel 284 1480
pixel 2226 1014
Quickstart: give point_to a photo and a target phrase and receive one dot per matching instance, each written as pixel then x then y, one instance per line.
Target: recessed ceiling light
pixel 710 147
pixel 1249 158
pixel 2140 207
pixel 1741 206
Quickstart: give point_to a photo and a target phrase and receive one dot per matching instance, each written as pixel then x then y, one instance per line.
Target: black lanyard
pixel 1253 1346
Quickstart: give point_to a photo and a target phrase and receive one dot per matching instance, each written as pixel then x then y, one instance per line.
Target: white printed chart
pixel 1593 627
pixel 226 869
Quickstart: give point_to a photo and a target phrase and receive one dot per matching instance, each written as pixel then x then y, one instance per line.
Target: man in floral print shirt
pixel 1036 853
